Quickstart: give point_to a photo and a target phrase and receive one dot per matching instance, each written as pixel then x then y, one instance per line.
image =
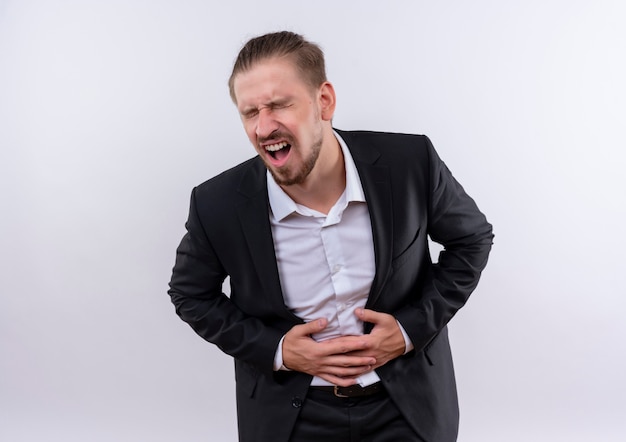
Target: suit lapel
pixel 255 222
pixel 377 187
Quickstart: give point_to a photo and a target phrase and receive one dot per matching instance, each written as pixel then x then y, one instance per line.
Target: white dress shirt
pixel 325 262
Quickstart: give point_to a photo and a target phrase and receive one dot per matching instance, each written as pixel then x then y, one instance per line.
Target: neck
pixel 326 182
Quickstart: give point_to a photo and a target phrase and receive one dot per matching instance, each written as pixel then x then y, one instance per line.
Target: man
pixel 337 317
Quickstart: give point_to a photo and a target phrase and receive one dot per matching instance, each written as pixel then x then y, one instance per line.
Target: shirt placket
pixel 336 260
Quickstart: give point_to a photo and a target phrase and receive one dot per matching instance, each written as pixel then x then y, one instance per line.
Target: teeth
pixel 275 147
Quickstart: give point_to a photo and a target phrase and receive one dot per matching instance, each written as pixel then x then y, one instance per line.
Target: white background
pixel 111 111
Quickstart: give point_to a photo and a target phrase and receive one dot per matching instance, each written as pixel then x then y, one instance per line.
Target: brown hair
pixel 307 57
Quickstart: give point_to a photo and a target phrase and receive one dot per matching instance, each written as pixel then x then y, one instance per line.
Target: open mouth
pixel 278 151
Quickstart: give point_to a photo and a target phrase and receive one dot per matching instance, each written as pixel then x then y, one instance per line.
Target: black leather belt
pixel 353 390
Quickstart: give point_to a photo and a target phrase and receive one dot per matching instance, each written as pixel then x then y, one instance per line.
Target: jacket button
pixel 296 402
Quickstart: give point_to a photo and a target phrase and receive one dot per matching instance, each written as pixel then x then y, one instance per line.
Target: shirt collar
pixel 282 205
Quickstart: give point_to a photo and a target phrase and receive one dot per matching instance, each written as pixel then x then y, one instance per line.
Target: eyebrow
pixel 270 104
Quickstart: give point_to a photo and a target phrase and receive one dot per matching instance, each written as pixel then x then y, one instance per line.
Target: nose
pixel 266 124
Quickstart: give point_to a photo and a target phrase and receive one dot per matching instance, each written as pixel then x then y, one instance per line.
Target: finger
pixel 367 315
pixel 310 327
pixel 343 376
pixel 346 373
pixel 359 362
pixel 345 344
pixel 337 380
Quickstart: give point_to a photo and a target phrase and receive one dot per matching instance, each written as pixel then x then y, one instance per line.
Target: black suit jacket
pixel 410 194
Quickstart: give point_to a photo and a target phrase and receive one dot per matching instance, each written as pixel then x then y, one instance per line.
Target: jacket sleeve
pixel 454 221
pixel 196 292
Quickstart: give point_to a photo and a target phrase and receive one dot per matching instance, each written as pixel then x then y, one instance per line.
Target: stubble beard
pixel 286 176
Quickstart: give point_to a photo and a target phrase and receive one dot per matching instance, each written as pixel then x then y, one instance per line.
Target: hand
pixel 385 342
pixel 336 360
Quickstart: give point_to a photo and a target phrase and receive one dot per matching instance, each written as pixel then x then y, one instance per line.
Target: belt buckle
pixel 336 392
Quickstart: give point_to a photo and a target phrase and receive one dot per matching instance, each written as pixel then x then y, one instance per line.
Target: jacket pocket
pixel 434 347
pixel 246 377
pixel 404 256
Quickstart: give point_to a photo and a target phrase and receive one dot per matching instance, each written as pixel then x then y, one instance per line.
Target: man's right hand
pixel 330 360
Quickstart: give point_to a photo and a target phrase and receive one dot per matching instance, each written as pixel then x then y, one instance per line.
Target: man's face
pixel 282 117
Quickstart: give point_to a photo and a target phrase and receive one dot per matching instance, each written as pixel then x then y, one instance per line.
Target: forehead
pixel 267 80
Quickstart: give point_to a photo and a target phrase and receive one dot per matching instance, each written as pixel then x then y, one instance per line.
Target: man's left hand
pixel 385 342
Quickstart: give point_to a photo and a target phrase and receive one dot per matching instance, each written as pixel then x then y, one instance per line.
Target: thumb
pixel 367 315
pixel 312 327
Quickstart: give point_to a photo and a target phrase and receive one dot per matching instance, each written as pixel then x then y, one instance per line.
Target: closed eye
pixel 279 105
pixel 248 114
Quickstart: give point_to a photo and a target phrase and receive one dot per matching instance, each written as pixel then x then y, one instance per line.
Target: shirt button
pixel 336 268
pixel 341 306
pixel 296 402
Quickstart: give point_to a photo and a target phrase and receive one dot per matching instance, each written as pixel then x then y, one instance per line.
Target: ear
pixel 327 100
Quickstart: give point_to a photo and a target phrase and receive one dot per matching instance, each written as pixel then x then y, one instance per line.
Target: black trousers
pixel 327 418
